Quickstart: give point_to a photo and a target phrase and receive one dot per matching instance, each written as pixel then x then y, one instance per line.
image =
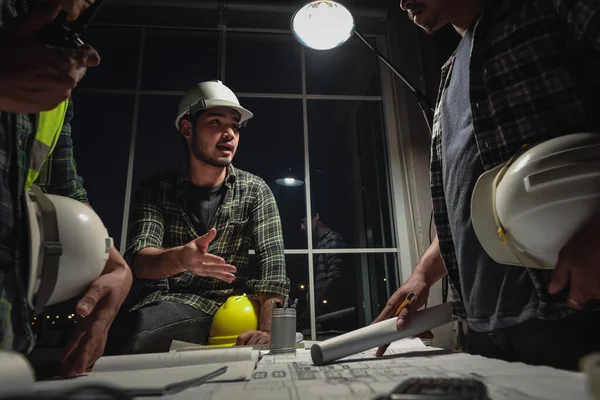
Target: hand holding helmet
pixel 542 210
pixel 69 247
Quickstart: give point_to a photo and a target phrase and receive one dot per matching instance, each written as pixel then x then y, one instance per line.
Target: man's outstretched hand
pixel 195 258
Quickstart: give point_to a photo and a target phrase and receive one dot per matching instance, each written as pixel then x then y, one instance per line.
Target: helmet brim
pixel 244 113
pixel 484 223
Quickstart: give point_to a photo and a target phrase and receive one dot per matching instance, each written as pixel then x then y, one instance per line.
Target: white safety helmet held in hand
pixel 211 94
pixel 526 210
pixel 68 245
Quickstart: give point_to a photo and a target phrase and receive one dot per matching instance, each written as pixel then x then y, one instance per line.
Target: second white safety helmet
pixel 526 210
pixel 68 248
pixel 210 94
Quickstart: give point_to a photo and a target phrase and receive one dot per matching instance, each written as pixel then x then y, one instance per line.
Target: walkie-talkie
pixel 62 33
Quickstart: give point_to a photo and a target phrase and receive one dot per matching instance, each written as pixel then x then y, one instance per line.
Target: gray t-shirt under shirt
pixel 202 204
pixel 494 295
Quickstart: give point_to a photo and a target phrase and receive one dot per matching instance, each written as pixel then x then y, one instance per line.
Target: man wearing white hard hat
pixel 193 227
pixel 515 179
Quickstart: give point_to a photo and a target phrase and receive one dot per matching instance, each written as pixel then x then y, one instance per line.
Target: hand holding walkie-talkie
pixel 43 56
pixel 64 33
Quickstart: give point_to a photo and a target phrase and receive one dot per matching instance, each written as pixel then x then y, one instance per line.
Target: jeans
pixel 559 344
pixel 152 328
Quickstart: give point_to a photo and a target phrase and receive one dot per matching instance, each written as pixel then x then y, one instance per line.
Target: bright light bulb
pixel 323 25
pixel 289 181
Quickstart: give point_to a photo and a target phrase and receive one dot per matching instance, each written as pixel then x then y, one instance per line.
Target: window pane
pixel 178 59
pixel 346 285
pixel 349 178
pixel 297 272
pixel 119 49
pixel 350 69
pixel 270 146
pixel 159 146
pixel 102 137
pixel 263 63
pixel 383 280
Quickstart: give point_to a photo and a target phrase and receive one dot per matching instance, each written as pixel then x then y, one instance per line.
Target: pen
pixel 408 300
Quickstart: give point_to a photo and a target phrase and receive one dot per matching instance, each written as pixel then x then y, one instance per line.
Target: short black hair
pixel 192 118
pixel 314 214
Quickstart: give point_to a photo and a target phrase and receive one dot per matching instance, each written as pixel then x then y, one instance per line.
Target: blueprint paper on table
pixel 362 376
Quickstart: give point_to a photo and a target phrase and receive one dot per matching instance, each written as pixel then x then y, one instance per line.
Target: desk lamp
pixel 324 25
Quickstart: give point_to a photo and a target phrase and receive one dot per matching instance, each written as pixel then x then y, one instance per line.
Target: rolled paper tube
pixel 379 334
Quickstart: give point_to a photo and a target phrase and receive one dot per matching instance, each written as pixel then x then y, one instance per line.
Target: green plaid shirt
pixel 58 176
pixel 247 218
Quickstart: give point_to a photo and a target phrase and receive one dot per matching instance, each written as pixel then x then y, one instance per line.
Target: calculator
pixel 437 389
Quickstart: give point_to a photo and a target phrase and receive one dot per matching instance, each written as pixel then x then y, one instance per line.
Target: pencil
pixel 408 300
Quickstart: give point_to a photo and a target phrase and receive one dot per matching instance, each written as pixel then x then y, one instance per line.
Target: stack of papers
pixel 162 373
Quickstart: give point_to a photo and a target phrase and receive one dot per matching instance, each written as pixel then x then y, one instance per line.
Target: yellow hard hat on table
pixel 237 315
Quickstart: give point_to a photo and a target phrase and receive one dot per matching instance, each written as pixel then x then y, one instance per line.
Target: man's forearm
pixel 266 310
pixel 431 264
pixel 153 263
pixel 116 263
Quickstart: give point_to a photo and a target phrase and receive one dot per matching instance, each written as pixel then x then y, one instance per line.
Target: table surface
pixel 362 376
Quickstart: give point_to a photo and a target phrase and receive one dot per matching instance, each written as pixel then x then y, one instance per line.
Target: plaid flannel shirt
pixel 58 176
pixel 247 218
pixel 533 77
pixel 329 266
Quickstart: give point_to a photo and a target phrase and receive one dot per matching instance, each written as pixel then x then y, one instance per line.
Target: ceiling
pixel 370 15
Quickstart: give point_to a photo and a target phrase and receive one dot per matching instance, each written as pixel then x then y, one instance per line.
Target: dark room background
pixel 319 115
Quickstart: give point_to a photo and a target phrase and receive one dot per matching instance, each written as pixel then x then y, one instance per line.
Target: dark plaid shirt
pixel 534 67
pixel 58 176
pixel 247 218
pixel 329 266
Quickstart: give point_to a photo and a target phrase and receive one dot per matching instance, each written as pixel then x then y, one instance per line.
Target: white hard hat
pixel 68 245
pixel 526 210
pixel 207 95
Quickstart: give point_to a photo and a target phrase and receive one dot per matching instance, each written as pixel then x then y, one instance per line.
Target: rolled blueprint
pixel 379 334
pixel 16 375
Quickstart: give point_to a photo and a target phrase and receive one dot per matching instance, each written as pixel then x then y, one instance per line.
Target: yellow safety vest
pixel 48 130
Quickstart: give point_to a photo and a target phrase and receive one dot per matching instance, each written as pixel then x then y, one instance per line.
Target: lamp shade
pixel 289 179
pixel 322 25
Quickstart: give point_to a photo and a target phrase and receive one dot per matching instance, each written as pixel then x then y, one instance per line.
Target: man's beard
pixel 430 28
pixel 200 155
